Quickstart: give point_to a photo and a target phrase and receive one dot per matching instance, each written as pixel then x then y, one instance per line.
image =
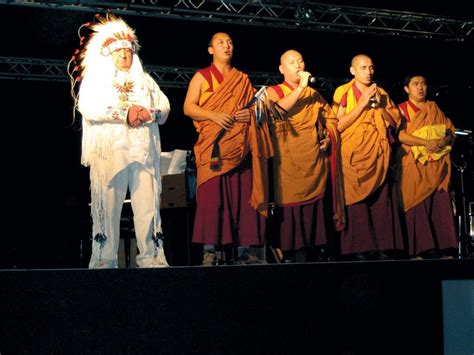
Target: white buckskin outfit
pixel 121 157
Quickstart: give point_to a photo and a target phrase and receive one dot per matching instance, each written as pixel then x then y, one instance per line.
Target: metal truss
pixel 33 69
pixel 179 77
pixel 54 70
pixel 295 14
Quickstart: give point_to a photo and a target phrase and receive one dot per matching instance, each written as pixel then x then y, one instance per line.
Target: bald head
pixel 291 53
pixel 363 69
pixel 217 35
pixel 358 58
pixel 221 48
pixel 291 63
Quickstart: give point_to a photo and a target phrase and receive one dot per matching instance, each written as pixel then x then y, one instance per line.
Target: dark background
pixel 46 190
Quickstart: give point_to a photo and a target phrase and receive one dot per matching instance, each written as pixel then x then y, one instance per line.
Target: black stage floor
pixel 347 308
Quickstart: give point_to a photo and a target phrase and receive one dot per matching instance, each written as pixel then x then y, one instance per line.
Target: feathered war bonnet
pixel 107 34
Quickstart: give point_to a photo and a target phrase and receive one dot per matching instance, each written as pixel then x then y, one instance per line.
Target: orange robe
pixel 229 95
pixel 365 146
pixel 301 169
pixel 418 181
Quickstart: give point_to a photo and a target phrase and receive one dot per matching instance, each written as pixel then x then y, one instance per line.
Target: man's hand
pixel 223 120
pixel 324 144
pixel 432 145
pixel 137 115
pixel 304 78
pixel 368 93
pixel 242 115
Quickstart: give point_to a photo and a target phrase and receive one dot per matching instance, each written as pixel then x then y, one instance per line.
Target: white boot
pixel 160 257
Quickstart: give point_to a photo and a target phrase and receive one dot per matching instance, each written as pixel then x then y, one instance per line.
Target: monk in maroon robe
pixel 231 153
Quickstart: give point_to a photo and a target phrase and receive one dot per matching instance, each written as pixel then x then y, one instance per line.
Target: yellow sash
pixel 422 154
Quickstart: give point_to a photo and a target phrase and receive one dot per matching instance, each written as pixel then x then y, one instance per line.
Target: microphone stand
pixel 464 240
pixel 461 217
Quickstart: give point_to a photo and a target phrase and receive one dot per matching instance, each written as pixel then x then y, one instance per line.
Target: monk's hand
pixel 445 141
pixel 370 93
pixel 304 78
pixel 449 137
pixel 223 120
pixel 432 145
pixel 242 115
pixel 324 144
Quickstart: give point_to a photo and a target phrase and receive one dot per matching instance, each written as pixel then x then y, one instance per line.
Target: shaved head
pixel 289 53
pixel 217 35
pixel 363 70
pixel 359 57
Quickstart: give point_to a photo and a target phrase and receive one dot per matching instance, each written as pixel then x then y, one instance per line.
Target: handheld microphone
pixel 373 100
pixel 311 79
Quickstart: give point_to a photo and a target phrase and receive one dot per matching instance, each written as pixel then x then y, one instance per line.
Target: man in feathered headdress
pixel 121 107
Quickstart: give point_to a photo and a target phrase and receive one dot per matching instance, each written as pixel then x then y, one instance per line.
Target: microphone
pixel 311 79
pixel 373 100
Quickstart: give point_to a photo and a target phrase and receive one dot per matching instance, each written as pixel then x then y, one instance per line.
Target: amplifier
pixel 173 194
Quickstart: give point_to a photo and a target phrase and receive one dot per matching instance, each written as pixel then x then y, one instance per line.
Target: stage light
pixel 304 13
pixel 462 132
